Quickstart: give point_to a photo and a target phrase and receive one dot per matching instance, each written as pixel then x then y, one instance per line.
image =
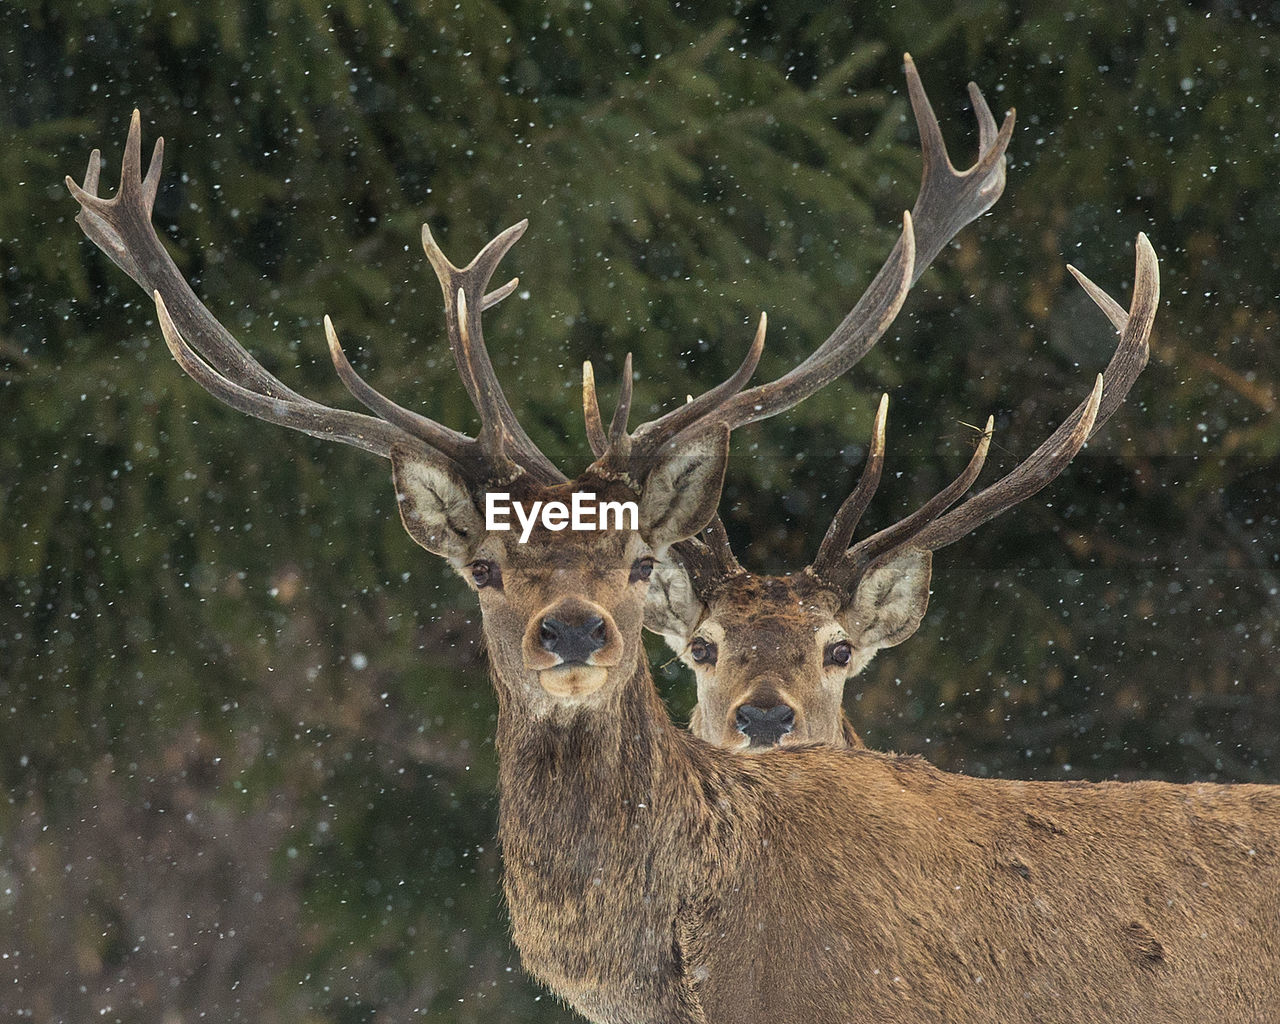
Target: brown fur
pixel 654 878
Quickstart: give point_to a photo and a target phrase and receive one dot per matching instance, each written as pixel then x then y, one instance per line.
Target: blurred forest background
pixel 245 725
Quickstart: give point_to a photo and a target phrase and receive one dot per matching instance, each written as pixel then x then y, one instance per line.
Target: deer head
pixel 772 654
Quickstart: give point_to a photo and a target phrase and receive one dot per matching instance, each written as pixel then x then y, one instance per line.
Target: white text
pixel 582 513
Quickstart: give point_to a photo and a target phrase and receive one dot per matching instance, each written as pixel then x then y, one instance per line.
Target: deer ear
pixel 436 506
pixel 887 607
pixel 671 608
pixel 682 491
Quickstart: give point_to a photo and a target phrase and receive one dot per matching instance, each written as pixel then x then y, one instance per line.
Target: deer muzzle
pixel 572 644
pixel 765 717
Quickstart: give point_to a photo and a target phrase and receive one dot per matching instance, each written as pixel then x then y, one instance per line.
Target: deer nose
pixel 573 641
pixel 764 727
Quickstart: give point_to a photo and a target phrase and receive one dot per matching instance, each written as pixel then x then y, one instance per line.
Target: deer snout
pixel 764 718
pixel 572 641
pixel 571 632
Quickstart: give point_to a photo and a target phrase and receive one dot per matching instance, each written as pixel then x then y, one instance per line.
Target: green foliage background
pixel 245 730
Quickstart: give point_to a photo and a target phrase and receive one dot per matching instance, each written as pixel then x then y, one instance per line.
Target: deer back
pixel 913 894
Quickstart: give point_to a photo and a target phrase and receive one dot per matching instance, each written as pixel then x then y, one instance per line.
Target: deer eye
pixel 839 653
pixel 485 574
pixel 641 569
pixel 703 651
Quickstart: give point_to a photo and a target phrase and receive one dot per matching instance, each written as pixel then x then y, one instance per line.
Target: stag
pixel 652 877
pixel 772 654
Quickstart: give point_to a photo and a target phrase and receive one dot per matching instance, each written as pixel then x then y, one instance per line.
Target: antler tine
pixel 1116 313
pixel 616 439
pixel 1131 355
pixel 465 300
pixel 653 436
pixel 990 170
pixel 622 411
pixel 455 445
pixel 840 533
pixel 473 360
pixel 596 436
pixel 498 294
pixel 91 175
pixel 131 162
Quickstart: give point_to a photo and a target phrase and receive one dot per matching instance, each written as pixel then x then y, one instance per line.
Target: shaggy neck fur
pixel 600 812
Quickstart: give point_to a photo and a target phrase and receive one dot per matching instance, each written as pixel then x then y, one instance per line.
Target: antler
pixel 947 201
pixel 932 527
pixel 840 532
pixel 708 559
pixel 121 227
